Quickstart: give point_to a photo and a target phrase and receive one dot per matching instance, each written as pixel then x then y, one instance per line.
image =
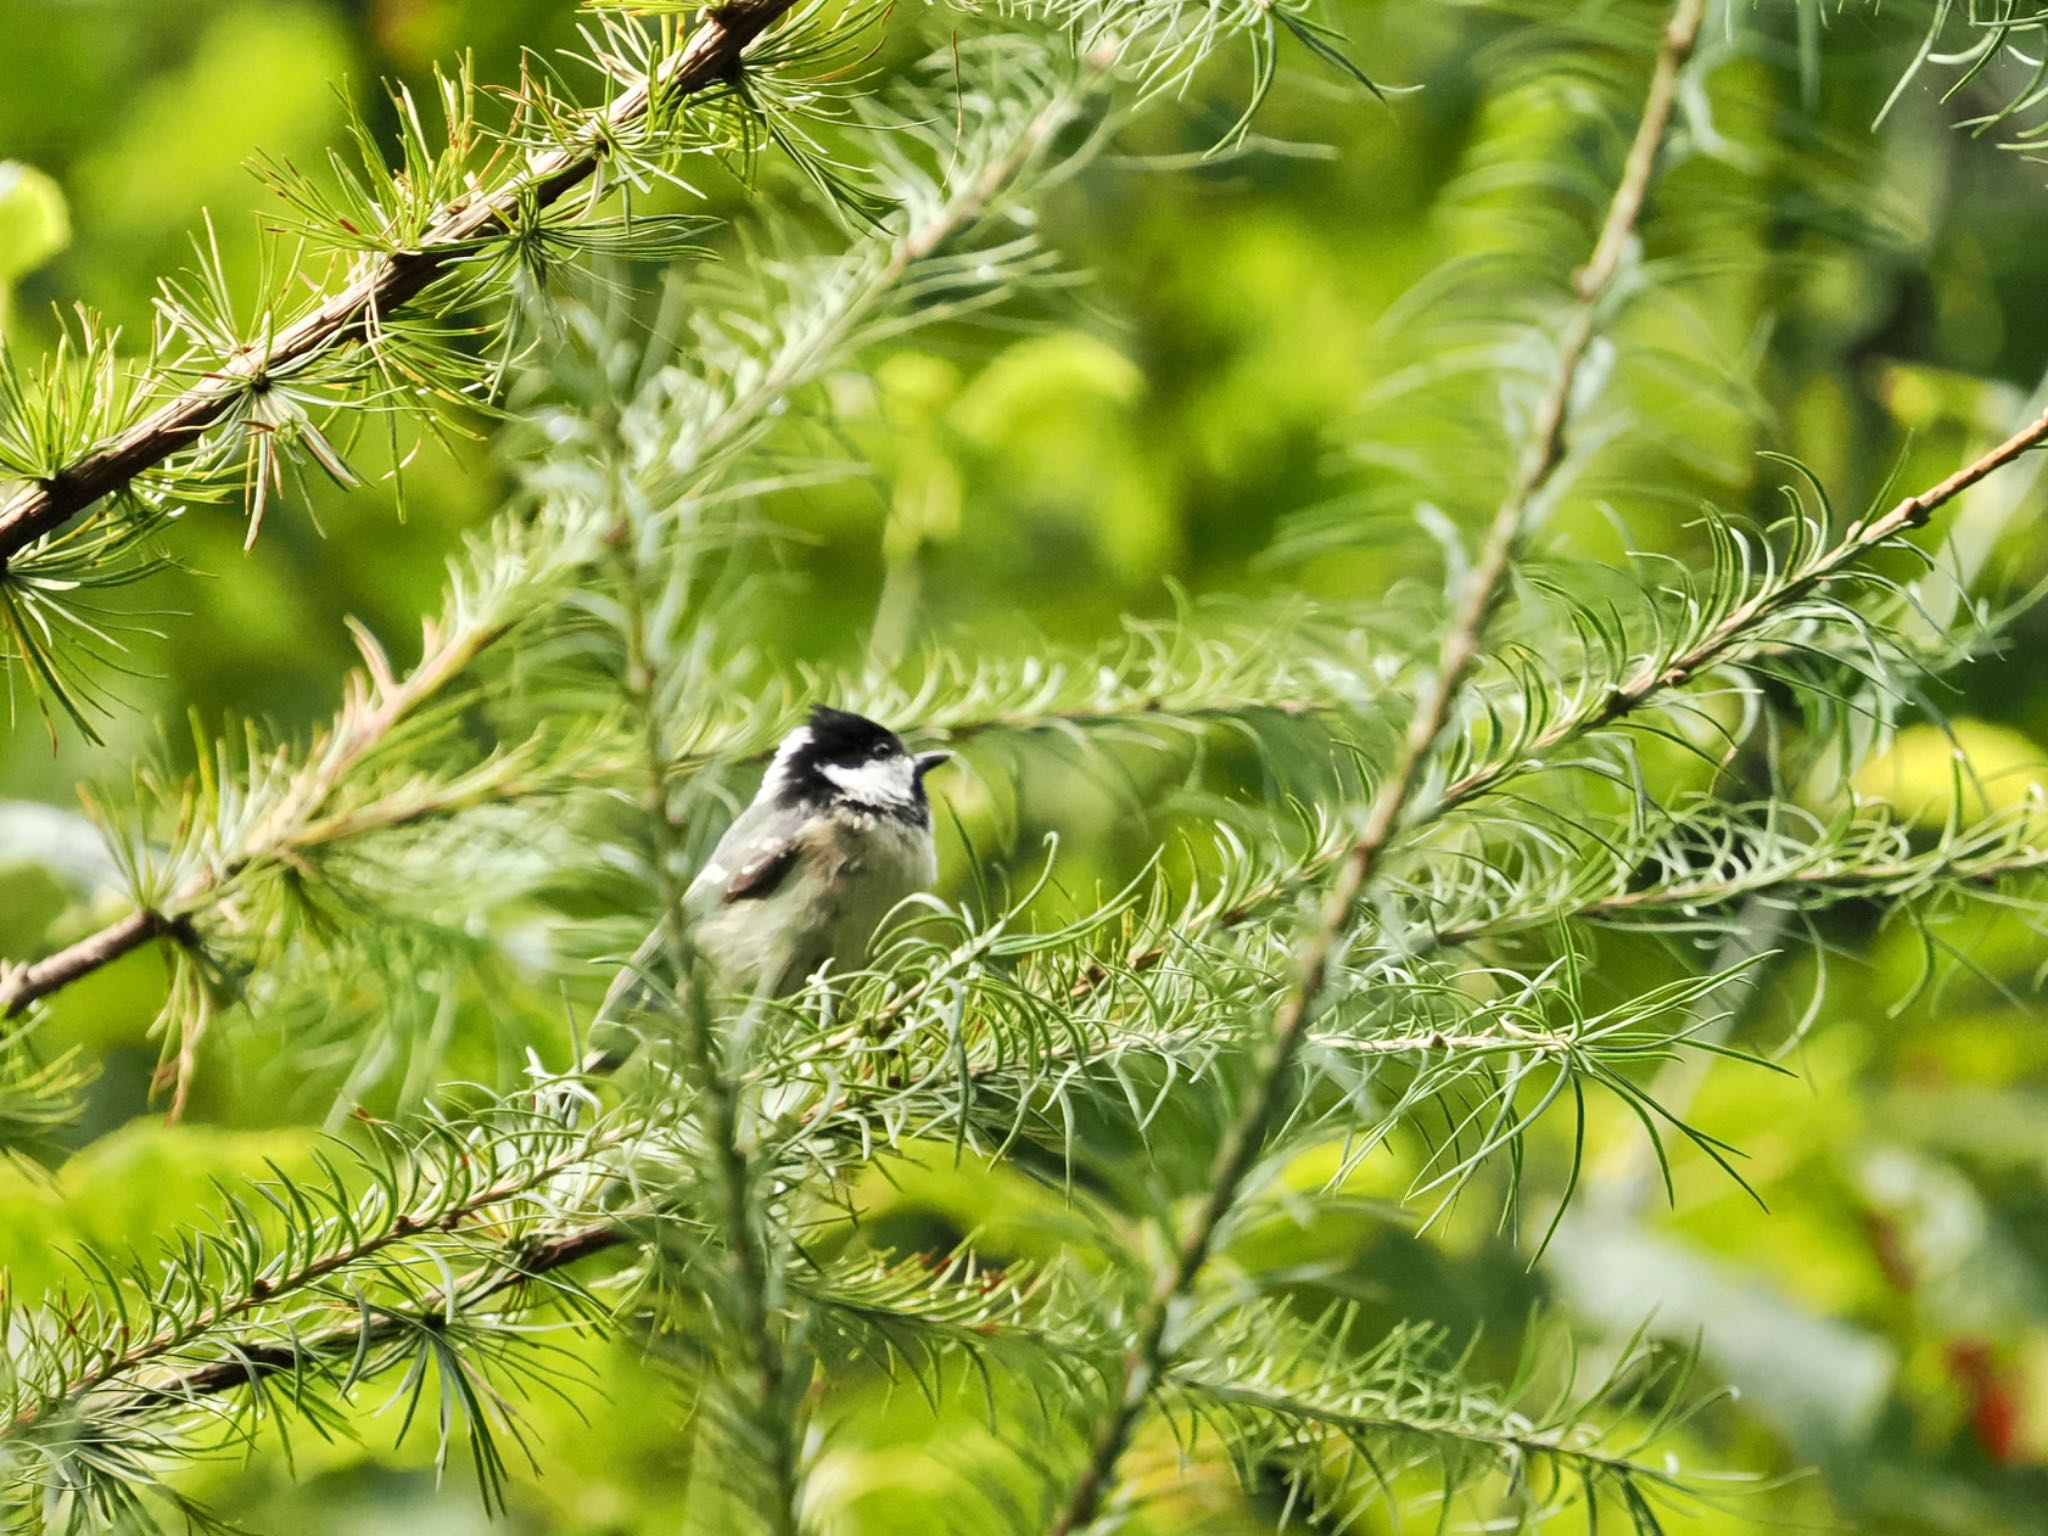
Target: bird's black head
pixel 839 736
pixel 842 758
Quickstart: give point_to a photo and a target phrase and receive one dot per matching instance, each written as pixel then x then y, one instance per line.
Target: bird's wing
pixel 760 877
pixel 751 860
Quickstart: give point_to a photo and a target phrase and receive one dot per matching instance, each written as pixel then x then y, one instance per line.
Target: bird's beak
pixel 927 761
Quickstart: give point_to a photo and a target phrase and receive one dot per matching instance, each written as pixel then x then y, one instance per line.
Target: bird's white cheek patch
pixel 887 782
pixel 792 744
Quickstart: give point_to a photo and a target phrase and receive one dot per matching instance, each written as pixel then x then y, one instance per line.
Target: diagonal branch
pixel 361 1243
pixel 710 59
pixel 1151 1351
pixel 1720 643
pixel 1728 634
pixel 377 705
pixel 249 1364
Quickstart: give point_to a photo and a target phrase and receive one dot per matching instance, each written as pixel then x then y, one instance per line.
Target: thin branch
pixel 378 704
pixel 1150 1351
pixel 22 986
pixel 402 1225
pixel 1523 1445
pixel 250 1364
pixel 755 1326
pixel 1727 635
pixel 711 58
pixel 1841 881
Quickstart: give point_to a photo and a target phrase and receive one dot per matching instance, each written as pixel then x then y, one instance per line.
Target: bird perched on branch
pixel 838 834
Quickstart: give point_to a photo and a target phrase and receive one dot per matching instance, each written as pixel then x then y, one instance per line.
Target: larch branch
pixel 387 284
pixel 1150 1353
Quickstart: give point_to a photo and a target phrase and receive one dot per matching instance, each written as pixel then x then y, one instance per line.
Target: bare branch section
pixel 712 57
pixel 104 947
pixel 1151 1352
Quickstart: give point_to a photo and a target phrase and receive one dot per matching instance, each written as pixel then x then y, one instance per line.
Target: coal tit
pixel 839 833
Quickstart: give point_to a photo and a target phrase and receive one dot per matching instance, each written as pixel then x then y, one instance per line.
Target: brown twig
pixel 388 283
pixel 20 987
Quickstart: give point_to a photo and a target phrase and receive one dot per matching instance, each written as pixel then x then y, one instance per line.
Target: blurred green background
pixel 1203 415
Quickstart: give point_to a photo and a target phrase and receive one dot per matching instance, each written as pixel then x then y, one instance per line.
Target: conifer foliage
pixel 1365 932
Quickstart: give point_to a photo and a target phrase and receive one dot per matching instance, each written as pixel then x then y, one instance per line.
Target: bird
pixel 839 833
